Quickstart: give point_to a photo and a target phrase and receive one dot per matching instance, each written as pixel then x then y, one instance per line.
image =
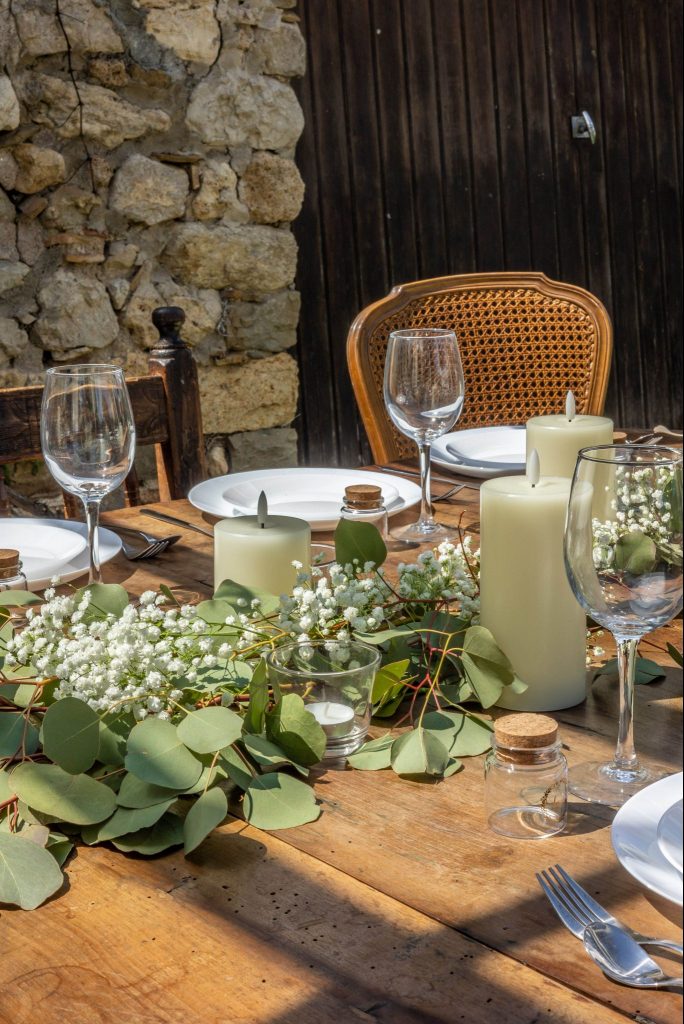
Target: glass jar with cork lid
pixel 526 787
pixel 11 574
pixel 363 503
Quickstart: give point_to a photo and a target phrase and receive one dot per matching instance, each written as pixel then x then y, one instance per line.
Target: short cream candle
pixel 557 439
pixel 526 600
pixel 258 551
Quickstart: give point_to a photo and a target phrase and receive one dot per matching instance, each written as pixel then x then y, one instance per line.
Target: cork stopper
pixel 363 496
pixel 519 736
pixel 10 563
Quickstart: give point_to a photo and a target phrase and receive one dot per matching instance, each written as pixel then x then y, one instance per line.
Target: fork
pixel 578 910
pixel 153 545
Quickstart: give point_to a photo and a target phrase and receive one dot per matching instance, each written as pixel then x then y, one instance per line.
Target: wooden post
pixel 181 461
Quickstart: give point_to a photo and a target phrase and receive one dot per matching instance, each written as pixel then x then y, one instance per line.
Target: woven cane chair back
pixel 525 341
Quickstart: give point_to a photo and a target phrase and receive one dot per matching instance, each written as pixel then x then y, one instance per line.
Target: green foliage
pixel 240 598
pixel 105 599
pixel 71 735
pixel 486 667
pixel 635 553
pixel 258 700
pixel 268 755
pixel 277 801
pixel 675 655
pixel 133 793
pixel 360 543
pixel 419 752
pixel 49 789
pixel 124 821
pixel 166 833
pixel 209 729
pixel 29 874
pixel 295 730
pixel 157 754
pixel 203 817
pixel 15 730
pixel 18 599
pixel 374 755
pixel 645 670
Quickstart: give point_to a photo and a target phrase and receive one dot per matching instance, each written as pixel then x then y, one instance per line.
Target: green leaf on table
pixel 240 598
pixel 135 793
pixel 50 790
pixel 374 755
pixel 13 730
pixel 71 735
pixel 18 599
pixel 210 729
pixel 235 768
pixel 268 754
pixel 215 611
pixel 442 630
pixel 59 846
pixel 277 800
pixel 6 788
pixel 419 752
pixel 125 820
pixel 635 553
pixel 675 655
pixel 29 874
pixel 211 773
pixel 205 814
pixel 105 599
pixel 486 667
pixel 157 754
pixel 387 684
pixel 645 670
pixel 452 767
pixel 114 734
pixel 258 700
pixel 360 543
pixel 149 841
pixel 455 693
pixel 384 636
pixel 295 730
pixel 462 734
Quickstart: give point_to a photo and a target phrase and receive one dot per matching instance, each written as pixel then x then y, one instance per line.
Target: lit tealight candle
pixel 258 551
pixel 558 438
pixel 335 719
pixel 525 598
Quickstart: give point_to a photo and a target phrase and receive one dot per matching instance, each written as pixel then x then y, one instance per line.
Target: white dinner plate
pixel 483 452
pixel 670 835
pixel 77 565
pixel 314 495
pixel 634 835
pixel 42 547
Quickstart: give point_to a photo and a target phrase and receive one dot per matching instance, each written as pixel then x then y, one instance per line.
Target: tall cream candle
pixel 258 551
pixel 526 600
pixel 557 439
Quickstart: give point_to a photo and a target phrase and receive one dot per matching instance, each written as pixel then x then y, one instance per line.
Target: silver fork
pixel 153 545
pixel 578 910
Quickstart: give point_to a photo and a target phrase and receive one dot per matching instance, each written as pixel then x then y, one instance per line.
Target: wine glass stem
pixel 92 512
pixel 625 754
pixel 425 490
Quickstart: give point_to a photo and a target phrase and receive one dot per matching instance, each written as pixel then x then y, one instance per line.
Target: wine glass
pixel 623 557
pixel 424 391
pixel 87 435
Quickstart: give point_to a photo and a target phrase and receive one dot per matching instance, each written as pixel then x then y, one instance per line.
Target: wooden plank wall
pixel 437 141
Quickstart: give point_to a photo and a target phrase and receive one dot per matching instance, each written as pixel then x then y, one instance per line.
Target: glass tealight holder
pixel 526 778
pixel 335 680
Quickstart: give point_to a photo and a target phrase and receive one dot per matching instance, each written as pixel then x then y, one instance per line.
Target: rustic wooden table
pixel 397 905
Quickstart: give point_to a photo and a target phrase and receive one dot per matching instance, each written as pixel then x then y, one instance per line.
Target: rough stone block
pixel 275 448
pixel 9 106
pixel 217 196
pixel 259 393
pixel 231 108
pixel 245 257
pixel 281 51
pixel 267 326
pixel 12 273
pixel 87 25
pixel 193 34
pixel 75 313
pixel 69 208
pixel 37 168
pixel 272 189
pixel 12 338
pixel 148 191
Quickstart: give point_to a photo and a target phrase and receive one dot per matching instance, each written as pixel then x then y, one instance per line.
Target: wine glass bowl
pixel 88 436
pixel 623 556
pixel 424 391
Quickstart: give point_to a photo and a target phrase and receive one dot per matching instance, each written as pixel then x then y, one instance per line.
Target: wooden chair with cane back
pixel 524 340
pixel 166 409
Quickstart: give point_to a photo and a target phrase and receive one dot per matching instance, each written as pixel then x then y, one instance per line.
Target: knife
pixel 176 522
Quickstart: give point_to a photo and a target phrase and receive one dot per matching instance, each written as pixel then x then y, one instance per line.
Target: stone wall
pixel 146 158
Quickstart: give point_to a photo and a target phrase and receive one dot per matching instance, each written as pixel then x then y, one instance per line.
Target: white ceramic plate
pixel 634 835
pixel 311 494
pixel 484 452
pixel 71 534
pixel 670 835
pixel 42 547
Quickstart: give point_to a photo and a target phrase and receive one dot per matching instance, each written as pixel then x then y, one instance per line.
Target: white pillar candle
pixel 526 600
pixel 258 551
pixel 557 439
pixel 335 719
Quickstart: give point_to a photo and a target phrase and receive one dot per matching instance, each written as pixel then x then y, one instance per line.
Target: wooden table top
pixel 398 905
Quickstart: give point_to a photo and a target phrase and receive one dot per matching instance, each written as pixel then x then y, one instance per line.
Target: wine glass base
pixel 422 532
pixel 603 783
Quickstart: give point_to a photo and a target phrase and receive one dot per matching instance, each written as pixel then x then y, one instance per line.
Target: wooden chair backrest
pixel 524 340
pixel 166 409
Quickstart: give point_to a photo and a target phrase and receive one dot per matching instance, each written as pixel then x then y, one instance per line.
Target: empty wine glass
pixel 623 556
pixel 424 392
pixel 88 437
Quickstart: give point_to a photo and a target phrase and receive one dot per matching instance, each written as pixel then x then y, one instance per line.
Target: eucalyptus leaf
pixel 419 752
pixel 114 734
pixel 149 841
pixel 374 755
pixel 19 598
pixel 215 611
pixel 6 788
pixel 486 666
pixel 136 793
pixel 205 814
pixel 47 788
pixel 294 729
pixel 125 820
pixel 235 767
pixel 387 684
pixel 277 801
pixel 105 599
pixel 635 553
pixel 210 729
pixel 59 846
pixel 675 655
pixel 211 773
pixel 453 766
pixel 383 636
pixel 268 754
pixel 71 735
pixel 462 734
pixel 456 693
pixel 645 670
pixel 258 700
pixel 360 543
pixel 442 630
pixel 240 598
pixel 157 754
pixel 13 729
pixel 29 874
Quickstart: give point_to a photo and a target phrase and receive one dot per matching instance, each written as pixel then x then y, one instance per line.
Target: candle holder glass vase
pixel 335 680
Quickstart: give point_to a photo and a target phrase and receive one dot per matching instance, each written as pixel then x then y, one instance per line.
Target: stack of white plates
pixel 485 452
pixel 647 837
pixel 53 547
pixel 314 495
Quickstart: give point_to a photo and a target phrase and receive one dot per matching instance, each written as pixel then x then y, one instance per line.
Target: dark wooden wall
pixel 438 141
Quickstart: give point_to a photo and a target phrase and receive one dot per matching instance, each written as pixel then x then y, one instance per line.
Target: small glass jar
pixel 363 503
pixel 526 778
pixel 11 574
